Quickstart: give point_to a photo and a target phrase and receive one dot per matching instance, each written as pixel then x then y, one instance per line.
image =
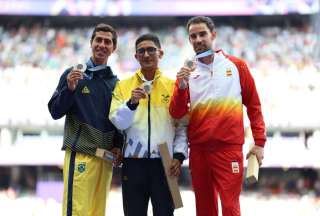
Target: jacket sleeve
pixel 118 139
pixel 179 102
pixel 120 114
pixel 180 143
pixel 250 99
pixel 62 99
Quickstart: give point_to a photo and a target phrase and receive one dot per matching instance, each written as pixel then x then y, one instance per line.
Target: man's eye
pixel 107 42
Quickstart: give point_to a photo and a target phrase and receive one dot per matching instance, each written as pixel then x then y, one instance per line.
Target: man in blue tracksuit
pixel 84 98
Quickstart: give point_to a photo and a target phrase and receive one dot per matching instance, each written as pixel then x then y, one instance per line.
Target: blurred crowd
pixel 57 48
pixel 281 60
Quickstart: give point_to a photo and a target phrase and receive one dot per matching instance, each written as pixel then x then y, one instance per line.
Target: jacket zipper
pixel 149 125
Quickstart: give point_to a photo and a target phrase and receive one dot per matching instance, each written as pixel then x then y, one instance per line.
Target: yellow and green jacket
pixel 150 123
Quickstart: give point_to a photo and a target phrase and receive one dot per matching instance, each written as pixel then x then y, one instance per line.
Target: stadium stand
pixel 283 52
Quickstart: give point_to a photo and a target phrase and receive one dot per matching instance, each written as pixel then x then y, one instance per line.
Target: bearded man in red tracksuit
pixel 212 90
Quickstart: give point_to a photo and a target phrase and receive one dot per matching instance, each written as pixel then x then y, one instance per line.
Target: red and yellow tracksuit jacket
pixel 214 99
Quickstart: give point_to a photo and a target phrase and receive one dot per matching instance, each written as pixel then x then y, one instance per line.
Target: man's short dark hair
pixel 105 28
pixel 149 37
pixel 201 19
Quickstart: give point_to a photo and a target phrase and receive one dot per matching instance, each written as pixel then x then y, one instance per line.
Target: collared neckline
pixel 143 79
pixel 92 69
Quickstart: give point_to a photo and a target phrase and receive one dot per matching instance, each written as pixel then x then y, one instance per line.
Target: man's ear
pixel 136 56
pixel 114 48
pixel 213 35
pixel 160 53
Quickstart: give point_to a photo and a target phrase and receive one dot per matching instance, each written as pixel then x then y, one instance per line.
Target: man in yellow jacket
pixel 139 107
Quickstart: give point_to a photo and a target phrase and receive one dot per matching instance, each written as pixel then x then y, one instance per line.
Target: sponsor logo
pixel 85 90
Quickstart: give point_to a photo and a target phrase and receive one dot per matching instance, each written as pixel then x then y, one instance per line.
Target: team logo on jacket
pixel 85 90
pixel 235 167
pixel 81 167
pixel 165 98
pixel 228 72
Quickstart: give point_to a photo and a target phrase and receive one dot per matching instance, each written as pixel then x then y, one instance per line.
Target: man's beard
pixel 202 51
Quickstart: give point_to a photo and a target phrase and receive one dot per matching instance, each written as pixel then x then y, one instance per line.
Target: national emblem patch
pixel 81 167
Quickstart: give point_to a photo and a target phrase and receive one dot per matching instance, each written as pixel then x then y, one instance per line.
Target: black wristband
pixel 131 105
pixel 179 156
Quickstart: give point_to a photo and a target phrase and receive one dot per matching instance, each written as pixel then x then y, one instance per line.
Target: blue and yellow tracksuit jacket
pixel 87 126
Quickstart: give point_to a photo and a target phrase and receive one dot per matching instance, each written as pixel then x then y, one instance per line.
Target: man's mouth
pixel 147 61
pixel 101 53
pixel 201 48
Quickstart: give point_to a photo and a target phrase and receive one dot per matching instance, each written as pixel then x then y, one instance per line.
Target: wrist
pixel 131 105
pixel 179 156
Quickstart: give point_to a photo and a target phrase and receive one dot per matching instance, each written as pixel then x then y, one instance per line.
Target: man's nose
pixel 145 54
pixel 198 39
pixel 102 44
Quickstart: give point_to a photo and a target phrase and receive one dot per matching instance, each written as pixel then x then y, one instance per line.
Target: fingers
pixel 75 75
pixel 117 161
pixel 183 77
pixel 248 155
pixel 139 91
pixel 72 79
pixel 258 153
pixel 175 168
pixel 175 173
pixel 137 94
pixel 260 158
pixel 118 156
pixel 184 73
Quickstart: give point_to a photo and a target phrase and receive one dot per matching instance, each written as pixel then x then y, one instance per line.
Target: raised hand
pixel 137 94
pixel 184 74
pixel 73 78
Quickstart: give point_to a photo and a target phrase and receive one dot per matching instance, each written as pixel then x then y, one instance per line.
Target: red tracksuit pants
pixel 217 173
